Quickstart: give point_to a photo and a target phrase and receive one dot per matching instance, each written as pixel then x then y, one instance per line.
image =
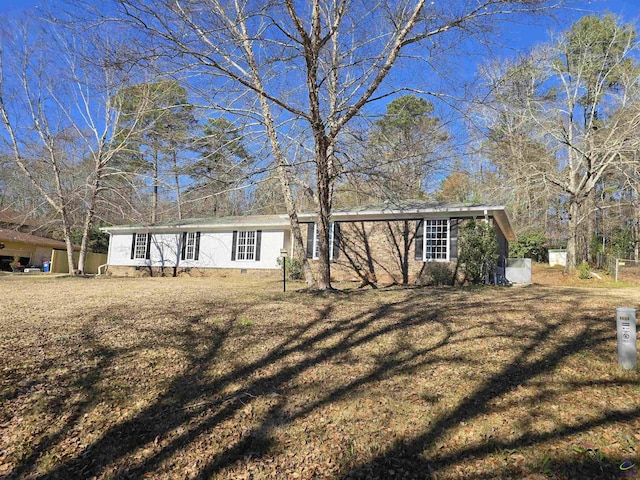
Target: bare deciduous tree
pixel 568 114
pixel 57 110
pixel 313 66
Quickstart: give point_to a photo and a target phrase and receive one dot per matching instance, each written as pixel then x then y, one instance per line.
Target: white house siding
pixel 215 250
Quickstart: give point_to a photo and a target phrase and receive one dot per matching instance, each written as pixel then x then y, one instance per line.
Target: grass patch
pixel 202 378
pixel 245 322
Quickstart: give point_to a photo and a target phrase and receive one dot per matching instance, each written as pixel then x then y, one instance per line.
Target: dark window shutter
pixel 418 240
pixel 310 239
pixel 453 238
pixel 336 240
pixel 148 256
pixel 233 245
pixel 133 246
pixel 196 255
pixel 184 246
pixel 258 243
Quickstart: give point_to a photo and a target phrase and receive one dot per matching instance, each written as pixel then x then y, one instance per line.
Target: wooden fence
pixel 59 263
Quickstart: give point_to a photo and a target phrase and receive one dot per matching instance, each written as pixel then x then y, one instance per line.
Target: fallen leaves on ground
pixel 230 378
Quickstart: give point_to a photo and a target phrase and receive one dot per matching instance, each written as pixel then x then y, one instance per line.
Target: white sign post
pixel 627 347
pixel 283 255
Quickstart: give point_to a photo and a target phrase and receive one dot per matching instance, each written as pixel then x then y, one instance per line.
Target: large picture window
pixel 436 239
pixel 141 245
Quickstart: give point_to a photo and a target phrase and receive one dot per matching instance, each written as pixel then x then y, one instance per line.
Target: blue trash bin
pixel 46 266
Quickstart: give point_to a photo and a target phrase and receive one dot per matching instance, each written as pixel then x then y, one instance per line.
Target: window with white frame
pixel 246 245
pixel 190 246
pixel 140 247
pixel 316 241
pixel 436 239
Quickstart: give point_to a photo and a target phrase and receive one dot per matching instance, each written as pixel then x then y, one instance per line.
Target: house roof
pixel 413 209
pixel 14 236
pixel 386 211
pixel 218 223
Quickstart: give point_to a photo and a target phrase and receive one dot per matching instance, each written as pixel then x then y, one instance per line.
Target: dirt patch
pixel 629 271
pixel 209 377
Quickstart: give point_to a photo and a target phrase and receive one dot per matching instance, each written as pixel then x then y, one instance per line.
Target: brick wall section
pixel 369 251
pixel 378 248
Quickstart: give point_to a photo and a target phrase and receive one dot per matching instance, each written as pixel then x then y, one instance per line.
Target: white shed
pixel 557 257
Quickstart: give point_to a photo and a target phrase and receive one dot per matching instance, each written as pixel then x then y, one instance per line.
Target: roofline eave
pixel 185 228
pixel 496 211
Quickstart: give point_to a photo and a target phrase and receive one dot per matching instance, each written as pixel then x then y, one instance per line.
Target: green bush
pixel 294 268
pixel 530 245
pixel 584 271
pixel 478 250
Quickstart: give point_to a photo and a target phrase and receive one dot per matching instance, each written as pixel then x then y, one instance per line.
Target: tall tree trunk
pixel 62 208
pixel 154 207
pixel 324 212
pixel 282 167
pixel 590 218
pixel 67 240
pixel 636 236
pixel 572 241
pixel 284 176
pixel 88 220
pixel 177 180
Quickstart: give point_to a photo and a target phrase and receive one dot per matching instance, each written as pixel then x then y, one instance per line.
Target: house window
pixel 436 239
pixel 316 241
pixel 140 245
pixel 190 246
pixel 246 245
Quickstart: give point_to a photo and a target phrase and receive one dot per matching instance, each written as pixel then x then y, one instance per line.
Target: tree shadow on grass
pixel 195 402
pixel 411 458
pixel 76 391
pixel 192 401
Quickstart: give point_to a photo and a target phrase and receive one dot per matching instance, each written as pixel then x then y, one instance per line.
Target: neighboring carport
pixel 30 249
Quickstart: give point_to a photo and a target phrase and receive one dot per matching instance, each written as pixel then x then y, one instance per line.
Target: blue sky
pixel 517 37
pixel 7 6
pixel 628 9
pixel 513 38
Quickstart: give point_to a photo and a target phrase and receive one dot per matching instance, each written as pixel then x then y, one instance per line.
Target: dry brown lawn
pixel 229 378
